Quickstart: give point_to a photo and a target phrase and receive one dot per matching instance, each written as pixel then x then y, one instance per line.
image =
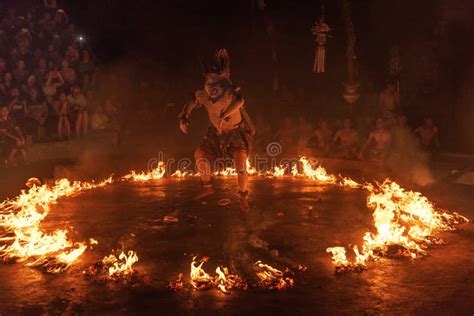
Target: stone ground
pixel 130 215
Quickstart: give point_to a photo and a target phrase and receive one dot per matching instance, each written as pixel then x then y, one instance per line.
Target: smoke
pixel 407 159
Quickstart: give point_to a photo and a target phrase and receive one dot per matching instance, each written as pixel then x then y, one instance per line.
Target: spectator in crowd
pixel 6 85
pixel 53 55
pixel 3 67
pixel 37 112
pixel 19 73
pixel 61 19
pixel 3 42
pixel 99 120
pixel 389 100
pixel 16 106
pixel 72 55
pixel 12 135
pixel 346 141
pixel 86 69
pixel 54 81
pixel 378 142
pixel 322 138
pixel 41 71
pixel 62 111
pixel 68 73
pixel 30 84
pixel 428 135
pixel 78 104
pixel 50 4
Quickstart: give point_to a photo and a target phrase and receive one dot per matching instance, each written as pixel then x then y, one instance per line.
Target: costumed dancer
pixel 231 130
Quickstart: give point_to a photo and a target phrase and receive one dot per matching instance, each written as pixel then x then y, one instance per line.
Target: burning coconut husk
pixel 272 278
pixel 115 268
pixel 178 284
pixel 224 281
pixel 200 279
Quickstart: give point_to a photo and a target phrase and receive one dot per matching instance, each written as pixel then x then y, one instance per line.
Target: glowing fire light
pixel 182 174
pixel 178 284
pixel 121 266
pixel 229 171
pixel 404 221
pixel 154 174
pixel 250 170
pixel 20 219
pixel 61 262
pixel 319 173
pixel 199 278
pixel 225 281
pixel 278 171
pixel 272 278
pixel 348 182
pixel 294 170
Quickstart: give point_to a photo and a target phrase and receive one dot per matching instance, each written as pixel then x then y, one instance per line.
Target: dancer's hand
pixel 183 125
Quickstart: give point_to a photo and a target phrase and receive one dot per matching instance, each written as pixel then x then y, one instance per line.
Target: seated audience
pixel 428 135
pixel 78 106
pixel 346 141
pixel 62 111
pixel 99 120
pixel 37 112
pixel 378 142
pixel 12 136
pixel 322 138
pixel 16 106
pixel 68 73
pixel 54 81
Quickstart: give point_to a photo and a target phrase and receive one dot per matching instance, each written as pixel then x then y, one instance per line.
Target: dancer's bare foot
pixel 244 202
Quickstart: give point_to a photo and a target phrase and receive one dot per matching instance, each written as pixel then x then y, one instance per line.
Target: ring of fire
pixel 404 221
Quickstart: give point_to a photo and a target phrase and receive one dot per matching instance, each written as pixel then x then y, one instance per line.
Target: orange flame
pixel 182 174
pixel 155 174
pixel 226 282
pixel 21 218
pixel 404 221
pixel 121 266
pixel 250 170
pixel 199 278
pixel 348 182
pixel 319 173
pixel 272 278
pixel 227 172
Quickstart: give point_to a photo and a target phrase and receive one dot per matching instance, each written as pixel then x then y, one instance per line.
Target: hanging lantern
pixel 320 31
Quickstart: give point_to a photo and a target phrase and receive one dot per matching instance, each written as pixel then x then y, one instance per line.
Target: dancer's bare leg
pixel 240 159
pixel 203 166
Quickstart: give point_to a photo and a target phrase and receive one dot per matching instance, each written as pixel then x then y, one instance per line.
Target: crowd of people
pixel 381 138
pixel 50 83
pixel 386 132
pixel 47 81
